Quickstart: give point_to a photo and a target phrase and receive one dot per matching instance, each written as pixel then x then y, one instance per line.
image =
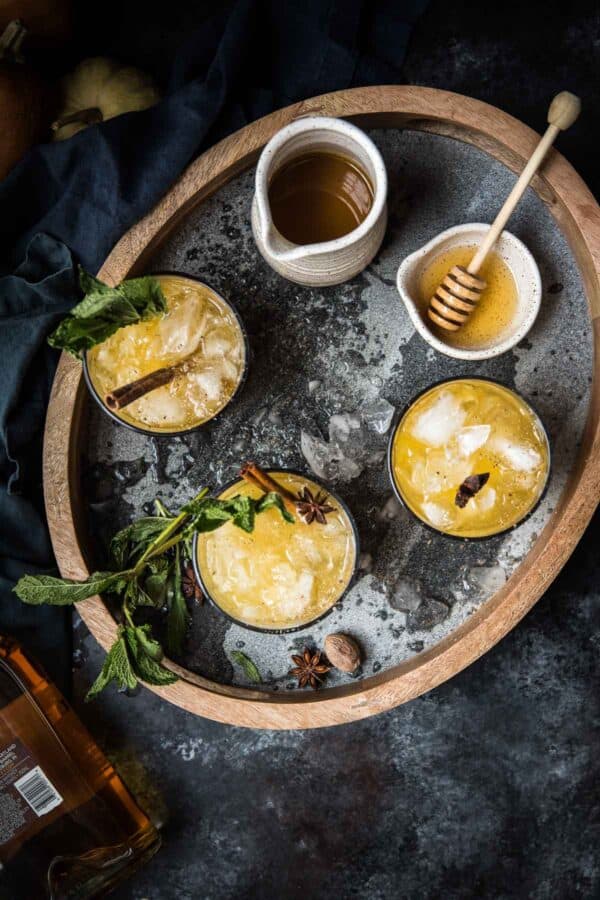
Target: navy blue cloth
pixel 74 199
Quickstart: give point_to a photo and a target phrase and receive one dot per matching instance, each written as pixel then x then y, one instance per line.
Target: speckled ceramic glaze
pixel 330 262
pixel 517 257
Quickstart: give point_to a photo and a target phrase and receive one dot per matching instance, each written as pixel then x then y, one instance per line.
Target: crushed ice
pixel 349 450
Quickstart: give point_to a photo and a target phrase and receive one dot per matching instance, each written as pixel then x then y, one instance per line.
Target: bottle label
pixel 26 792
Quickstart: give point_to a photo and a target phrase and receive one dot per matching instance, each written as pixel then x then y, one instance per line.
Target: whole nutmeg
pixel 342 652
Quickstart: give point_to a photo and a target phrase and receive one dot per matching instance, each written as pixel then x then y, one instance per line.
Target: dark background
pixel 488 785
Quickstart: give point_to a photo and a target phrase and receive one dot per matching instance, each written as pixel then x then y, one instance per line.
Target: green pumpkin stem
pixel 89 116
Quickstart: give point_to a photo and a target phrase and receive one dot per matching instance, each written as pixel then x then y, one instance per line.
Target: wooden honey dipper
pixel 460 291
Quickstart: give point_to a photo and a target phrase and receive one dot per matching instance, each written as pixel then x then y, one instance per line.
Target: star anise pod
pixel 309 669
pixel 311 508
pixel 190 587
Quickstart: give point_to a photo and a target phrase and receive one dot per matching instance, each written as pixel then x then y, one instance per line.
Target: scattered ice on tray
pixel 390 510
pixel 349 449
pixel 483 581
pixel 406 595
pixel 472 438
pixel 378 415
pixel 365 563
pixel 429 613
pixel 441 421
pixel 341 428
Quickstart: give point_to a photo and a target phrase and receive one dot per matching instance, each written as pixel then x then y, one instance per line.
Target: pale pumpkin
pixel 99 89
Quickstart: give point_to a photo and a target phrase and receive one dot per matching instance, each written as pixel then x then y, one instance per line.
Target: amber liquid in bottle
pixel 69 828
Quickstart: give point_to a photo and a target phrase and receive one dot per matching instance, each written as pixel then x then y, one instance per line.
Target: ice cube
pixel 289 594
pixel 430 613
pixel 302 550
pixel 341 426
pixel 159 408
pixel 436 515
pixel 208 383
pixel 472 438
pixel 521 457
pixel 320 456
pixel 180 330
pixel 365 562
pixel 348 469
pixel 441 421
pixel 444 472
pixel 218 342
pixel 390 510
pixel 485 580
pixel 229 370
pixel 486 499
pixel 377 415
pixel 406 595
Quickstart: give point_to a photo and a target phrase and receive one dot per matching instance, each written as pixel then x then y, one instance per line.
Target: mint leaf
pixel 131 541
pixel 274 500
pixel 38 589
pixel 156 583
pixel 105 309
pixel 248 667
pixel 89 283
pixel 145 665
pixel 150 646
pixel 117 667
pixel 178 617
pixel 207 514
pixel 242 510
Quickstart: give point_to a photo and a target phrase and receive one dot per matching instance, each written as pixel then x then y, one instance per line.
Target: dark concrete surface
pixel 488 785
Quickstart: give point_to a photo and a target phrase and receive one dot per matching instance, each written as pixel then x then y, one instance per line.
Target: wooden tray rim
pixel 576 213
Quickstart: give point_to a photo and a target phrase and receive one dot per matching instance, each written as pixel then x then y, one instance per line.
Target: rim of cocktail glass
pixel 398 493
pixel 179 432
pixel 342 503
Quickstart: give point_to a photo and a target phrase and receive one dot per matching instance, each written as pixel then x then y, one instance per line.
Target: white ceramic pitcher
pixel 329 262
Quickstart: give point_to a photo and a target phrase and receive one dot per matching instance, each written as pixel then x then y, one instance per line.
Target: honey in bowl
pixel 201 328
pixel 495 312
pixel 465 428
pixel 319 197
pixel 281 576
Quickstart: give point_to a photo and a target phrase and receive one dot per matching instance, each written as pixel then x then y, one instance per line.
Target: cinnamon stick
pixel 123 396
pixel 253 474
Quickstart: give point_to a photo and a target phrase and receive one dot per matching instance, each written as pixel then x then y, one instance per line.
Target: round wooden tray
pixel 577 215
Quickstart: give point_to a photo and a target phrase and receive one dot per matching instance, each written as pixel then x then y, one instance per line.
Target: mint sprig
pixel 105 309
pixel 147 556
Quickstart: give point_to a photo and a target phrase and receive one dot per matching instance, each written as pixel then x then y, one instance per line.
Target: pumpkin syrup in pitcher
pixel 319 197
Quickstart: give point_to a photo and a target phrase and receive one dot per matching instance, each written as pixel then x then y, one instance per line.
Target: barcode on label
pixel 38 791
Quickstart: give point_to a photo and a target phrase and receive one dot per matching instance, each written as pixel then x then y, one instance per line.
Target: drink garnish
pixel 313 508
pixel 105 309
pixel 470 486
pixel 309 507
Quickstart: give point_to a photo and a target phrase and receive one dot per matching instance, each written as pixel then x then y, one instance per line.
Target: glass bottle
pixel 69 828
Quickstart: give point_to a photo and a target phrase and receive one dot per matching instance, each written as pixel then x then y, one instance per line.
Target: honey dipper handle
pixel 563 111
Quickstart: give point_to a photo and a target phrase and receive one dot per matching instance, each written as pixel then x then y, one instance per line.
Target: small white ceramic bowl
pixel 513 252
